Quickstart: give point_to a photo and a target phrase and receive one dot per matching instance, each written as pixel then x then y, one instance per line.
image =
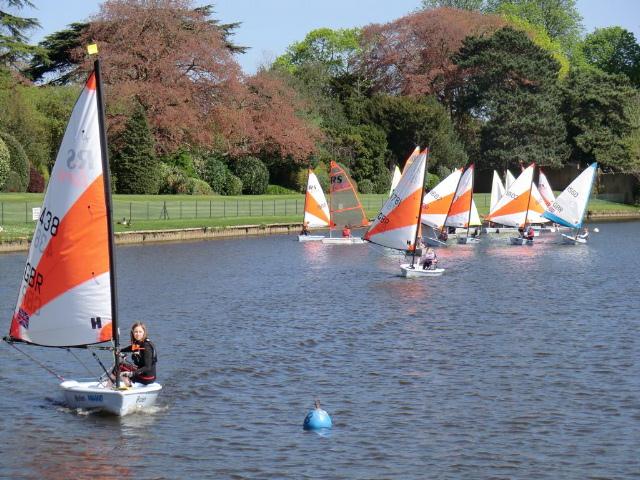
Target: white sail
pixel 568 209
pixel 508 180
pixel 462 207
pixel 396 224
pixel 437 201
pixel 316 208
pixel 395 179
pixel 497 190
pixel 65 293
pixel 537 206
pixel 545 189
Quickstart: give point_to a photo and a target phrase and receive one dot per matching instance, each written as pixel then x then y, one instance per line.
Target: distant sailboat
pixel 545 189
pixel 508 179
pixel 463 212
pixel 520 205
pixel 345 208
pixel 395 179
pixel 437 203
pixel 570 206
pixel 397 225
pixel 316 210
pixel 67 295
pixel 396 172
pixel 497 190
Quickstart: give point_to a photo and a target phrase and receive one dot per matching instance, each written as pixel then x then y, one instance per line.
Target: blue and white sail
pixel 568 209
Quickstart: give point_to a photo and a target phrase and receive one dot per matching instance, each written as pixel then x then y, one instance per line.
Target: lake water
pixel 519 362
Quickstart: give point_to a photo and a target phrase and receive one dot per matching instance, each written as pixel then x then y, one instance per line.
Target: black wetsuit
pixel 144 357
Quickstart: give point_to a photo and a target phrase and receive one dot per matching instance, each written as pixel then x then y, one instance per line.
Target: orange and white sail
pixel 395 179
pixel 497 190
pixel 396 224
pixel 463 211
pixel 65 293
pixel 519 204
pixel 438 200
pixel 345 208
pixel 545 189
pixel 316 209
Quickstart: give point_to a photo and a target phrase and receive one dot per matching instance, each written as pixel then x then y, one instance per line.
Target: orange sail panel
pixel 346 208
pixel 437 202
pixel 65 293
pixel 395 226
pixel 316 210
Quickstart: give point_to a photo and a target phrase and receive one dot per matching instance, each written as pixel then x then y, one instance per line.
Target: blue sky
pixel 270 26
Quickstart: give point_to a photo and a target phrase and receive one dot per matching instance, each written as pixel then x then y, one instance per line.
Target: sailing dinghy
pixel 397 225
pixel 316 210
pixel 67 296
pixel 521 204
pixel 345 209
pixel 436 205
pixel 570 206
pixel 463 212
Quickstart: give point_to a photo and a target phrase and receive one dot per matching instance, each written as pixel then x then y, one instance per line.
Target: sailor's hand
pixel 127 374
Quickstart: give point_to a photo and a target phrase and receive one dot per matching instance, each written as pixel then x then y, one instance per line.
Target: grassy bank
pixel 165 212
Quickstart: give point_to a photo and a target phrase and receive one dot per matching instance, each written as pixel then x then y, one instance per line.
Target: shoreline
pixel 203 233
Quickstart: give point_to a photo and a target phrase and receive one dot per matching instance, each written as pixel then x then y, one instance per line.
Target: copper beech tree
pixel 412 55
pixel 169 57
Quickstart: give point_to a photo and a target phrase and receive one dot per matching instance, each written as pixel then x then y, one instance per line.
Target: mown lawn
pixel 166 212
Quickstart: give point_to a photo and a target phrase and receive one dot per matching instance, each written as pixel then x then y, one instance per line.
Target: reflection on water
pixel 519 362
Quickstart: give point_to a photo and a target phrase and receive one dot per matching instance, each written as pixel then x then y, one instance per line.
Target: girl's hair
pixel 133 327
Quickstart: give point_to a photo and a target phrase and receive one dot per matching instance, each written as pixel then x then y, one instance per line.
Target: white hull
pixel 520 241
pixel 468 240
pixel 310 238
pixel 569 240
pixel 434 242
pixel 416 270
pixel 343 240
pixel 97 396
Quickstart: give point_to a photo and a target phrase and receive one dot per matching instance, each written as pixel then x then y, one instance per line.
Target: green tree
pixel 13 29
pixel 511 89
pixel 4 163
pixel 134 162
pixel 600 111
pixel 560 18
pixel 253 174
pixel 410 121
pixel 216 173
pixel 18 163
pixel 613 50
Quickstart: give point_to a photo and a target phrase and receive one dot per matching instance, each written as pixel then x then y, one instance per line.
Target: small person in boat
pixel 584 234
pixel 444 236
pixel 305 229
pixel 143 355
pixel 530 234
pixel 346 231
pixel 430 259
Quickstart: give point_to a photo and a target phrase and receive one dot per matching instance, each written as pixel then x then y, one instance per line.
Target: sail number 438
pixel 49 222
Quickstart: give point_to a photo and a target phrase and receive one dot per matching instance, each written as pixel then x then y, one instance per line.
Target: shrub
pixel 432 180
pixel 183 160
pixel 198 187
pixel 13 183
pixel 365 186
pixel 215 173
pixel 18 163
pixel 279 190
pixel 4 163
pixel 233 185
pixel 254 175
pixel 36 181
pixel 173 180
pixel 382 181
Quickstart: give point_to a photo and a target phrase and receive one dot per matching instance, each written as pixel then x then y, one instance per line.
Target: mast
pixel 471 199
pixel 107 192
pixel 526 215
pixel 424 180
pixel 306 192
pixel 330 203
